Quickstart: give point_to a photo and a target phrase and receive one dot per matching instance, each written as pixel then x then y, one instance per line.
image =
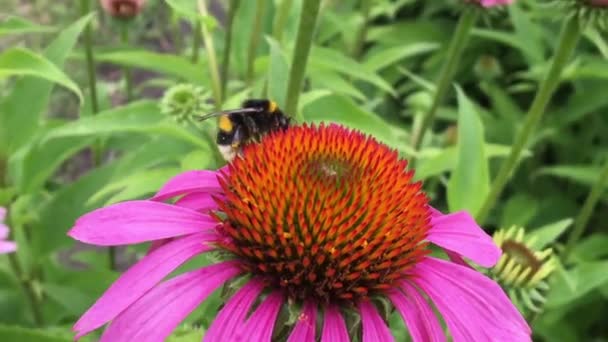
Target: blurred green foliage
pixel 372 66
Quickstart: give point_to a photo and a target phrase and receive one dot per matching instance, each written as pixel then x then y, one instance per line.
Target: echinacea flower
pixel 122 9
pixel 319 218
pixel 491 3
pixel 5 246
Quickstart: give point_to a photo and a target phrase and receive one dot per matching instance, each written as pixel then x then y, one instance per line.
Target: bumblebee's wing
pixel 228 112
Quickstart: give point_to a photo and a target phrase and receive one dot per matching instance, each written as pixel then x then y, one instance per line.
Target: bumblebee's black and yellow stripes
pixel 239 127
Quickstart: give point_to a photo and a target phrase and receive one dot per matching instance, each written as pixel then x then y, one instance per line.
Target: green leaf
pixel 569 285
pixel 341 110
pixel 386 57
pixel 134 185
pixel 59 213
pixel 186 334
pixel 140 117
pixel 23 62
pixel 582 174
pixel 470 182
pixel 549 233
pixel 433 161
pixel 591 248
pixel 328 59
pixel 278 73
pixel 16 25
pixel 13 333
pixel 33 164
pixel 333 81
pixel 20 112
pixel 167 64
pixel 518 210
pixel 71 298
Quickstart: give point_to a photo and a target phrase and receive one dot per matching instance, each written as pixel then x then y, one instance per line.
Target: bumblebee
pixel 239 127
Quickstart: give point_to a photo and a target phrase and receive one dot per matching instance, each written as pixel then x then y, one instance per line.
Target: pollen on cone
pixel 330 214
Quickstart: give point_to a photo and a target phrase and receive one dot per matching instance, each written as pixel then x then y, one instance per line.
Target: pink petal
pixel 334 328
pixel 473 306
pixel 260 325
pixel 2 214
pixel 198 201
pixel 305 328
pixel 233 314
pixel 3 231
pixel 140 278
pixel 460 233
pixel 418 315
pixel 154 316
pixel 456 258
pixel 138 221
pixel 7 247
pixel 190 181
pixel 374 328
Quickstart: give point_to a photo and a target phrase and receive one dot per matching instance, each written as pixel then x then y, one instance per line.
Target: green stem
pixel 26 283
pixel 567 43
pixel 178 38
pixel 454 53
pixel 280 19
pixel 366 6
pixel 124 39
pixel 234 5
pixel 88 50
pixel 254 40
pixel 306 28
pixel 585 214
pixel 211 56
pixel 196 42
pixel 96 148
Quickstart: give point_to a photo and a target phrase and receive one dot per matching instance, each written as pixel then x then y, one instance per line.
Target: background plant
pixel 71 140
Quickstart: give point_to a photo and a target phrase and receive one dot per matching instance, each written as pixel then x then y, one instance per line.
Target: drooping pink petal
pixel 7 247
pixel 154 316
pixel 187 182
pixel 2 214
pixel 3 231
pixel 456 258
pixel 473 306
pixel 334 328
pixel 305 328
pixel 140 278
pixel 374 329
pixel 260 324
pixel 138 221
pixel 198 201
pixel 418 315
pixel 233 314
pixel 460 233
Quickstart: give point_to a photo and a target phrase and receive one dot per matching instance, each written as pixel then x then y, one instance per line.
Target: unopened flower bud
pixel 184 101
pixel 122 9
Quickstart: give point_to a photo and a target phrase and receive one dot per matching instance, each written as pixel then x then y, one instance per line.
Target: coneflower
pixel 5 246
pixel 319 218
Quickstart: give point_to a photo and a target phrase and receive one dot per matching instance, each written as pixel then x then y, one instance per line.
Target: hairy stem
pixel 254 40
pixel 234 5
pixel 585 214
pixel 306 29
pixel 567 43
pixel 452 60
pixel 211 57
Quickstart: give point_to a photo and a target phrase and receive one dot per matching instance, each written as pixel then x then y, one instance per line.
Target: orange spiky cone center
pixel 324 213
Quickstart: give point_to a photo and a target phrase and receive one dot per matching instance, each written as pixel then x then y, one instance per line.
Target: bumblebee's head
pixel 262 105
